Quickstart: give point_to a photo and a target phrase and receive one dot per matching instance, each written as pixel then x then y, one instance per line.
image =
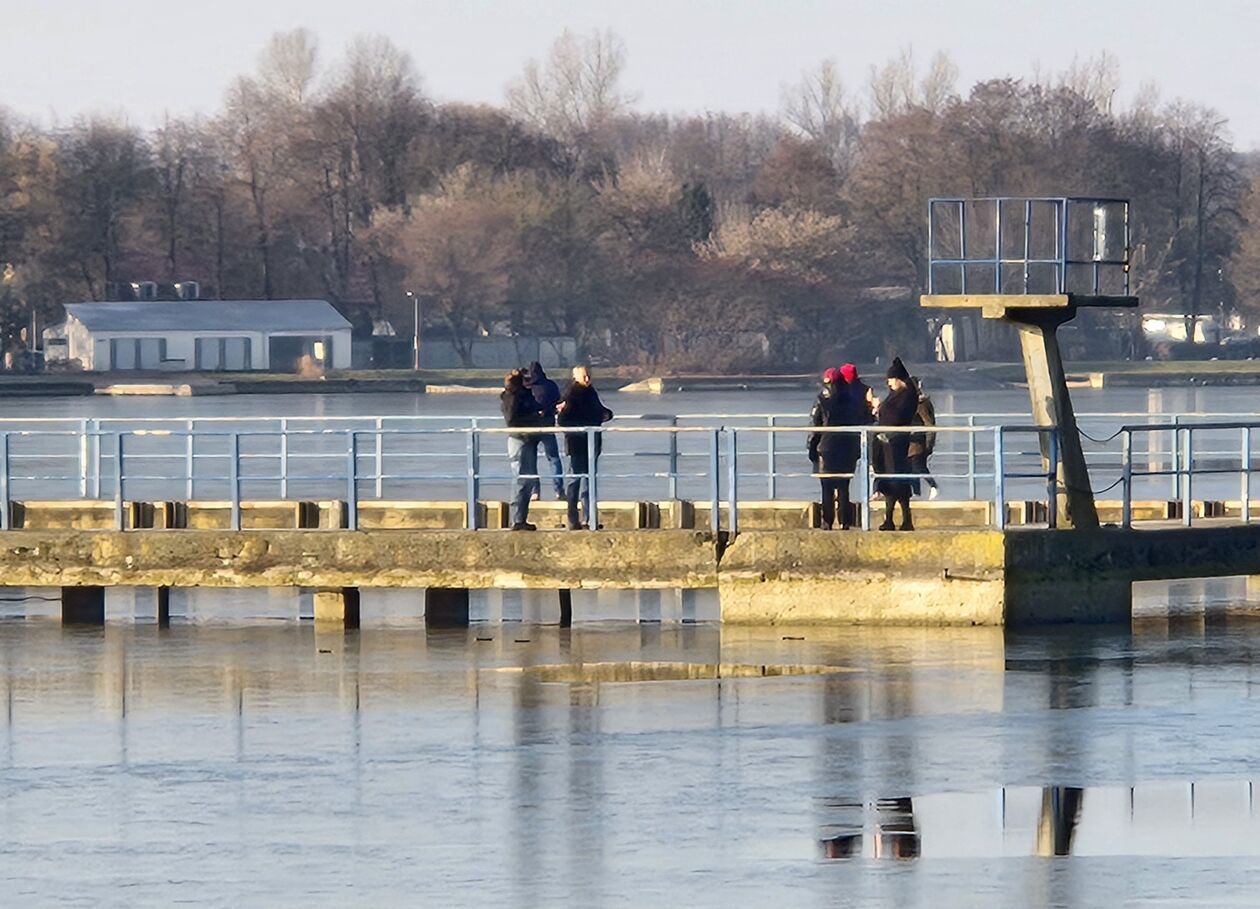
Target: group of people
pixel 531 400
pixel 899 459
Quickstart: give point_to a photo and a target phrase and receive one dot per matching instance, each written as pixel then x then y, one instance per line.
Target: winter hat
pixel 898 370
pixel 849 373
pixel 830 376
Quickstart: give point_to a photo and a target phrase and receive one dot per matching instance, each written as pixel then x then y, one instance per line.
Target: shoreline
pixel 953 376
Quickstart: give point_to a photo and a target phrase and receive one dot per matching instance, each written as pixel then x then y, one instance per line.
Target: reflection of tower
pixel 1060 811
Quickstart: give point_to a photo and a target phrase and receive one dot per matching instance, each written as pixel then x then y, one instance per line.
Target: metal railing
pixel 718 465
pixel 1180 460
pixel 965 453
pixel 1190 462
pixel 1022 245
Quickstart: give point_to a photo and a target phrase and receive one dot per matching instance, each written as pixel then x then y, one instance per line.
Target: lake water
pixel 531 766
pixel 240 758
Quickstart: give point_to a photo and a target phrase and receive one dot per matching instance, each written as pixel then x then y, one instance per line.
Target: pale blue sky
pixel 60 58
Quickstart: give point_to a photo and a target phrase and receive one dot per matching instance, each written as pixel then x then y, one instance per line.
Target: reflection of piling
pixel 1056 825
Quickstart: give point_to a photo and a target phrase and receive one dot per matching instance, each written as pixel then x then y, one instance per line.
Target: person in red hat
pixel 834 455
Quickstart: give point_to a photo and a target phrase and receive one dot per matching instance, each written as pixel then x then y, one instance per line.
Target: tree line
pixel 709 241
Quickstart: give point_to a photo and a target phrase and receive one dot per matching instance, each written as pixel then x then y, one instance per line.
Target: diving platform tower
pixel 1035 262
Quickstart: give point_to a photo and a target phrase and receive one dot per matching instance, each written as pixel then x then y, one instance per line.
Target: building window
pixel 231 354
pixel 137 353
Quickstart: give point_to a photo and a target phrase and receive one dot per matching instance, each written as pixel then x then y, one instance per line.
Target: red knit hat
pixel 849 372
pixel 830 376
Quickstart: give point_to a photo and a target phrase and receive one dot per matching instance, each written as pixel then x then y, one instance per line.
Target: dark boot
pixel 889 504
pixel 906 523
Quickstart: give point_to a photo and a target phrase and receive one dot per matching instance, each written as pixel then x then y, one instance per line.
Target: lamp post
pixel 415 344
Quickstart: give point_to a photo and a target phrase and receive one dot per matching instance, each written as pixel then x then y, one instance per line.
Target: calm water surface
pixel 523 765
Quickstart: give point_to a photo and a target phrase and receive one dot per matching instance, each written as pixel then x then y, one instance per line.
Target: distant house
pixel 240 335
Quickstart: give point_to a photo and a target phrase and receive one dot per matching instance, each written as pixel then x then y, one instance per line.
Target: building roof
pixel 211 315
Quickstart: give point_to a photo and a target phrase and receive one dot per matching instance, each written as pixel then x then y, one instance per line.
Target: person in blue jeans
pixel 547 396
pixel 520 409
pixel 579 408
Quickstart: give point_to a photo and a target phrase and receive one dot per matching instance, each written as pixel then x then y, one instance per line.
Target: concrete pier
pixel 1017 577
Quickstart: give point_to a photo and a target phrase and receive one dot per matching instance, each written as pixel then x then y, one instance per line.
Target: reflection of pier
pixel 1206 817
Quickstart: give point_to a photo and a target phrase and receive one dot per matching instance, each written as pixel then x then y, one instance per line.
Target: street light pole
pixel 415 344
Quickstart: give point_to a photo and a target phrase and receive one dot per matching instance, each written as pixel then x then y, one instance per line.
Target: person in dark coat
pixel 922 444
pixel 835 454
pixel 581 407
pixel 547 395
pixel 892 449
pixel 520 409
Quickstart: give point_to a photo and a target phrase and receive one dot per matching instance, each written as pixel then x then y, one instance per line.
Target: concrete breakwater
pixel 967 577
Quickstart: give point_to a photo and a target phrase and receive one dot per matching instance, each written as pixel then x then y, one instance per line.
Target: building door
pixel 287 354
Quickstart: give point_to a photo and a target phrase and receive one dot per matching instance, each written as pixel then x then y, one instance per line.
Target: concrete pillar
pixel 337 607
pixel 1052 406
pixel 163 607
pixel 446 607
pixel 83 605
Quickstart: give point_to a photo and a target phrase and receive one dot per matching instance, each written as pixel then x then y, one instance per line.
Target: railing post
pixel 474 479
pixel 119 523
pixel 1052 480
pixel 673 458
pixel 732 483
pixel 864 478
pixel 234 477
pixel 1246 475
pixel 999 479
pixel 284 457
pixel 592 512
pixel 1176 457
pixel 94 426
pixel 380 458
pixel 1187 501
pixel 971 458
pixel 189 459
pixel 83 459
pixel 772 479
pixel 1126 479
pixel 4 482
pixel 715 465
pixel 352 481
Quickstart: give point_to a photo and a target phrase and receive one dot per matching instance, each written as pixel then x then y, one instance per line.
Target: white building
pixel 207 335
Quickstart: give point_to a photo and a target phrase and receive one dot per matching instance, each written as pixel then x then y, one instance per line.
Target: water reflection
pixel 534 766
pixel 1213 817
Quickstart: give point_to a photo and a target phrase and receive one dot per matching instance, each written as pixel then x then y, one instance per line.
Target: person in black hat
pixel 892 449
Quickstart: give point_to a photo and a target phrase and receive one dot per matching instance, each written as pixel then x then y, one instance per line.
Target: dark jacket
pixel 892 454
pixel 520 409
pixel 545 391
pixel 840 404
pixel 582 407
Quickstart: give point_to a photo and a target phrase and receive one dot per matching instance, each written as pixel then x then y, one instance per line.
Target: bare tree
pixel 575 93
pixel 820 108
pixel 288 66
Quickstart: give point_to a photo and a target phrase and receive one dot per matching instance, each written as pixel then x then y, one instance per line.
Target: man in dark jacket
pixel 547 395
pixel 892 451
pixel 520 409
pixel 581 407
pixel 835 454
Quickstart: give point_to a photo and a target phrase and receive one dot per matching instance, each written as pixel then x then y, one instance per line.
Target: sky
pixel 144 58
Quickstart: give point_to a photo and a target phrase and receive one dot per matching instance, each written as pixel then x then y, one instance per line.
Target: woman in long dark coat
pixel 892 449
